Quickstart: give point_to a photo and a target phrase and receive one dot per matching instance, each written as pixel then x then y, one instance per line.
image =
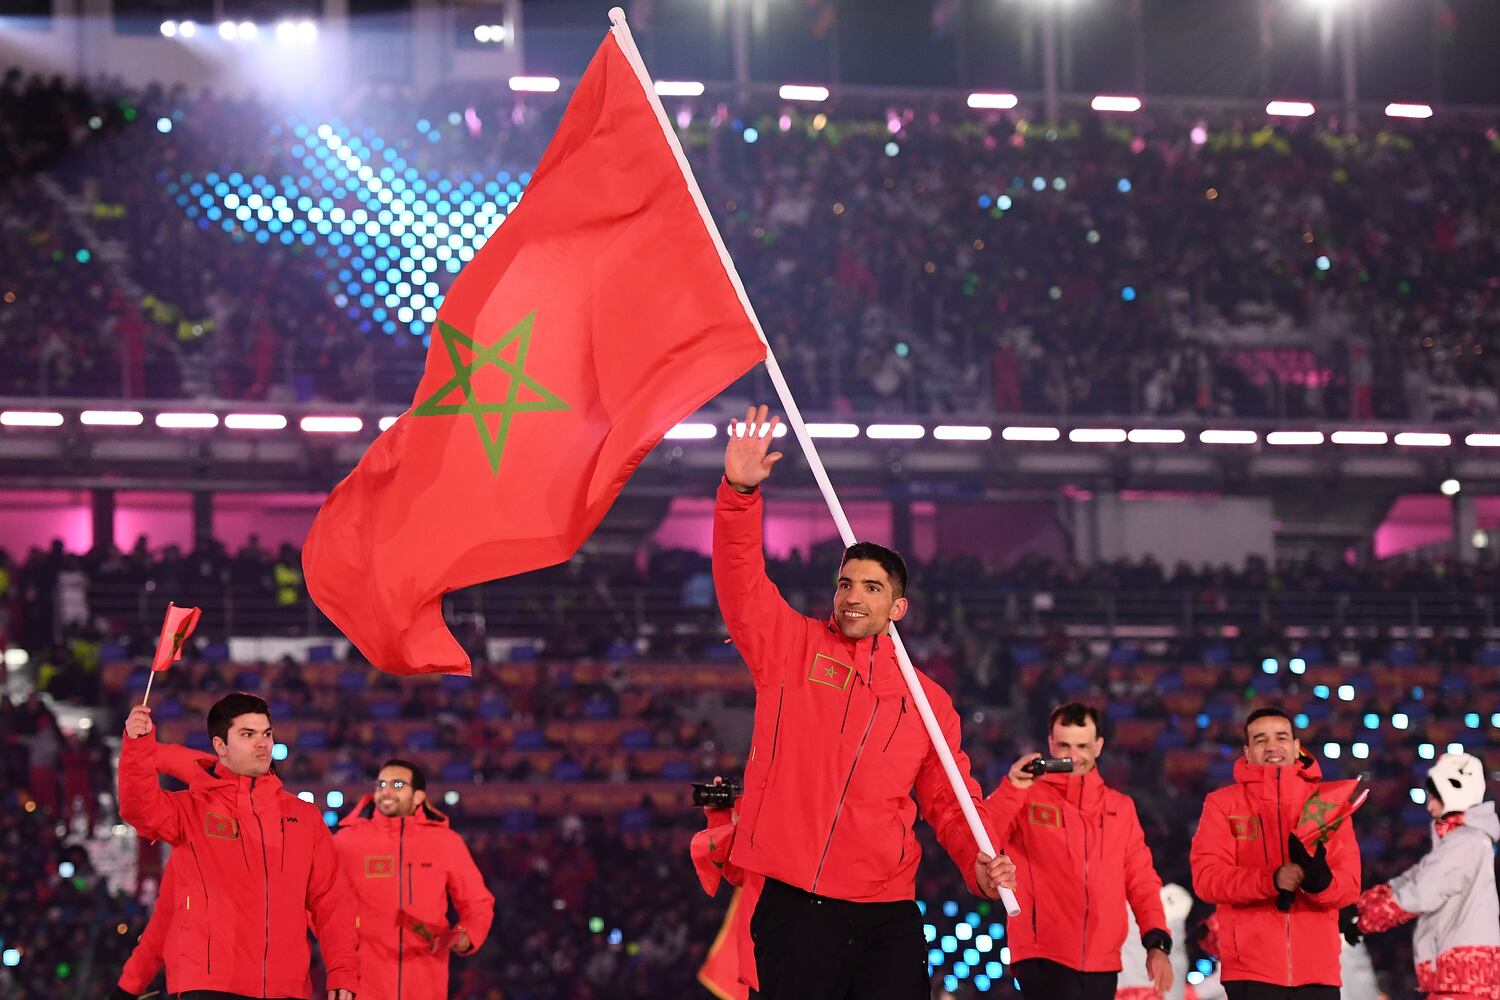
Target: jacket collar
pixel 1267 780
pixel 862 651
pixel 1086 791
pixel 365 814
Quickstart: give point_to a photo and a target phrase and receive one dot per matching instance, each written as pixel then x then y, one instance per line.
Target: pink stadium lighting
pixel 959 432
pixel 1030 434
pixel 1108 102
pixel 692 432
pixel 1360 437
pixel 844 431
pixel 331 425
pixel 1290 109
pixel 895 432
pixel 255 422
pixel 1096 435
pixel 187 421
pixel 679 88
pixel 1483 440
pixel 803 92
pixel 1156 435
pixel 1294 437
pixel 535 84
pixel 1228 437
pixel 1423 439
pixel 30 418
pixel 111 418
pixel 992 102
pixel 1408 110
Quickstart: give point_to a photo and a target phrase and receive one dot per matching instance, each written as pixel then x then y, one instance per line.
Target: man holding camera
pixel 1080 856
pixel 837 750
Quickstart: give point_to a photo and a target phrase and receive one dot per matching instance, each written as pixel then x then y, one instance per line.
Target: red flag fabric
pixel 179 624
pixel 594 319
pixel 720 972
pixel 1330 804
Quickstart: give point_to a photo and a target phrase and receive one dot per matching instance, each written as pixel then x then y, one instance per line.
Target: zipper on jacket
pixel 1280 839
pixel 897 726
pixel 265 964
pixel 1084 824
pixel 843 795
pixel 208 925
pixel 409 891
pixel 400 927
pixel 775 738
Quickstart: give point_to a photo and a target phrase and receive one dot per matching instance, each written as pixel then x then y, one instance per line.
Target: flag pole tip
pixel 617 16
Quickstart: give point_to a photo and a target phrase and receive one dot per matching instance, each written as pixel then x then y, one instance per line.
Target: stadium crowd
pixel 902 259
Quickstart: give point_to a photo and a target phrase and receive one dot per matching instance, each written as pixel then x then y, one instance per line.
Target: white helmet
pixel 1458 780
pixel 1176 902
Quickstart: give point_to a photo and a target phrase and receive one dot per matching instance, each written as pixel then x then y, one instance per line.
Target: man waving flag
pixel 598 316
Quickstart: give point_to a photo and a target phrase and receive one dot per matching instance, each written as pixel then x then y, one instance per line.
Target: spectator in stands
pixel 1243 862
pixel 261 912
pixel 394 839
pixel 1081 857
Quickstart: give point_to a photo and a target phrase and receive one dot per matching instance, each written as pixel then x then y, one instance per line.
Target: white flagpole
pixel 621 31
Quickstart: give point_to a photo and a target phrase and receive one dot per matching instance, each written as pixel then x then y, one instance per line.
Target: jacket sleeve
pixel 155 813
pixel 1449 869
pixel 1217 878
pixel 1004 808
pixel 1379 911
pixel 1142 883
pixel 147 958
pixel 470 897
pixel 180 762
pixel 761 623
pixel 1343 862
pixel 939 806
pixel 331 911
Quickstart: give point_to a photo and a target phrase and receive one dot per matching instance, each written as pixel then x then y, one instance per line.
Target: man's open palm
pixel 746 463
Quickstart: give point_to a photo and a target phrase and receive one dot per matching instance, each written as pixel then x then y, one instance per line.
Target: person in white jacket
pixel 1451 891
pixel 1134 984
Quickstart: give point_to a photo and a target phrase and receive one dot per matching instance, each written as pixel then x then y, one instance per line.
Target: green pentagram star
pixel 494 444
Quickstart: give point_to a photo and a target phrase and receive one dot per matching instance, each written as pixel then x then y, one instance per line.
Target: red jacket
pixel 147 958
pixel 1080 855
pixel 411 864
pixel 837 747
pixel 1241 841
pixel 259 862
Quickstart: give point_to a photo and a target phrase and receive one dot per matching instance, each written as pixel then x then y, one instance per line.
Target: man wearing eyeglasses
pixel 406 865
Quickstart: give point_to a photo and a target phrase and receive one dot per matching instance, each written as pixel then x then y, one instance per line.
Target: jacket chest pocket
pixel 898 742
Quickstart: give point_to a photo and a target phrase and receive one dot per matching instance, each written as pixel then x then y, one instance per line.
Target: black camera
pixel 719 796
pixel 1050 765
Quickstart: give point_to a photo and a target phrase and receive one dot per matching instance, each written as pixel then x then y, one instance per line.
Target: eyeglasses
pixel 398 784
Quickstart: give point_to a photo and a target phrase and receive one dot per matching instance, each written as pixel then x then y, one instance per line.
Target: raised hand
pixel 138 722
pixel 746 462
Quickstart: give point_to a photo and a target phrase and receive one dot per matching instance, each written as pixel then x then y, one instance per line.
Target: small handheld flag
pixel 179 624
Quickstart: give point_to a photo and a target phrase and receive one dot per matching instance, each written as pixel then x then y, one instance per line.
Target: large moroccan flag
pixel 600 314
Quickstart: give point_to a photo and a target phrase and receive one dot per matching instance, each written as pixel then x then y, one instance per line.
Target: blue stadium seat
pixel 567 770
pixel 677 770
pixel 352 680
pixel 518 820
pixel 422 739
pixel 529 739
pixel 456 682
pixel 312 739
pixel 197 739
pixel 457 772
pixel 636 739
pixel 494 707
pixel 635 820
pixel 385 710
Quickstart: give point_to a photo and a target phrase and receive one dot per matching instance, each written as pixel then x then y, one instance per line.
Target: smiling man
pixel 836 753
pixel 263 866
pixel 1278 906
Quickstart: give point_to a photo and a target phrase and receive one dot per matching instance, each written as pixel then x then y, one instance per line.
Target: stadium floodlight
pixel 960 432
pixel 1228 437
pixel 1294 437
pixel 1156 435
pixel 1096 435
pixel 169 29
pixel 228 30
pixel 331 425
pixel 803 92
pixel 692 432
pixel 1450 487
pixel 187 421
pixel 1030 434
pixel 1290 109
pixel 992 102
pixel 491 34
pixel 188 29
pixel 1115 102
pixel 679 88
pixel 30 418
pixel 255 422
pixel 844 431
pixel 386 423
pixel 1359 437
pixel 111 418
pixel 1478 440
pixel 1423 439
pixel 1408 110
pixel 248 31
pixel 895 432
pixel 535 84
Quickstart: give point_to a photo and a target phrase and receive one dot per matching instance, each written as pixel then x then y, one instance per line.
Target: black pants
pixel 814 948
pixel 1046 980
pixel 1240 990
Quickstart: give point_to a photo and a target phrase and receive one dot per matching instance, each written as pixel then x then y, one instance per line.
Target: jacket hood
pixel 364 813
pixel 1306 768
pixel 1086 790
pixel 1482 818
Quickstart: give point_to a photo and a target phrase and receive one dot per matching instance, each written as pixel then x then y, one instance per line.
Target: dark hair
pixel 1076 713
pixel 889 560
pixel 231 707
pixel 1267 713
pixel 418 779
